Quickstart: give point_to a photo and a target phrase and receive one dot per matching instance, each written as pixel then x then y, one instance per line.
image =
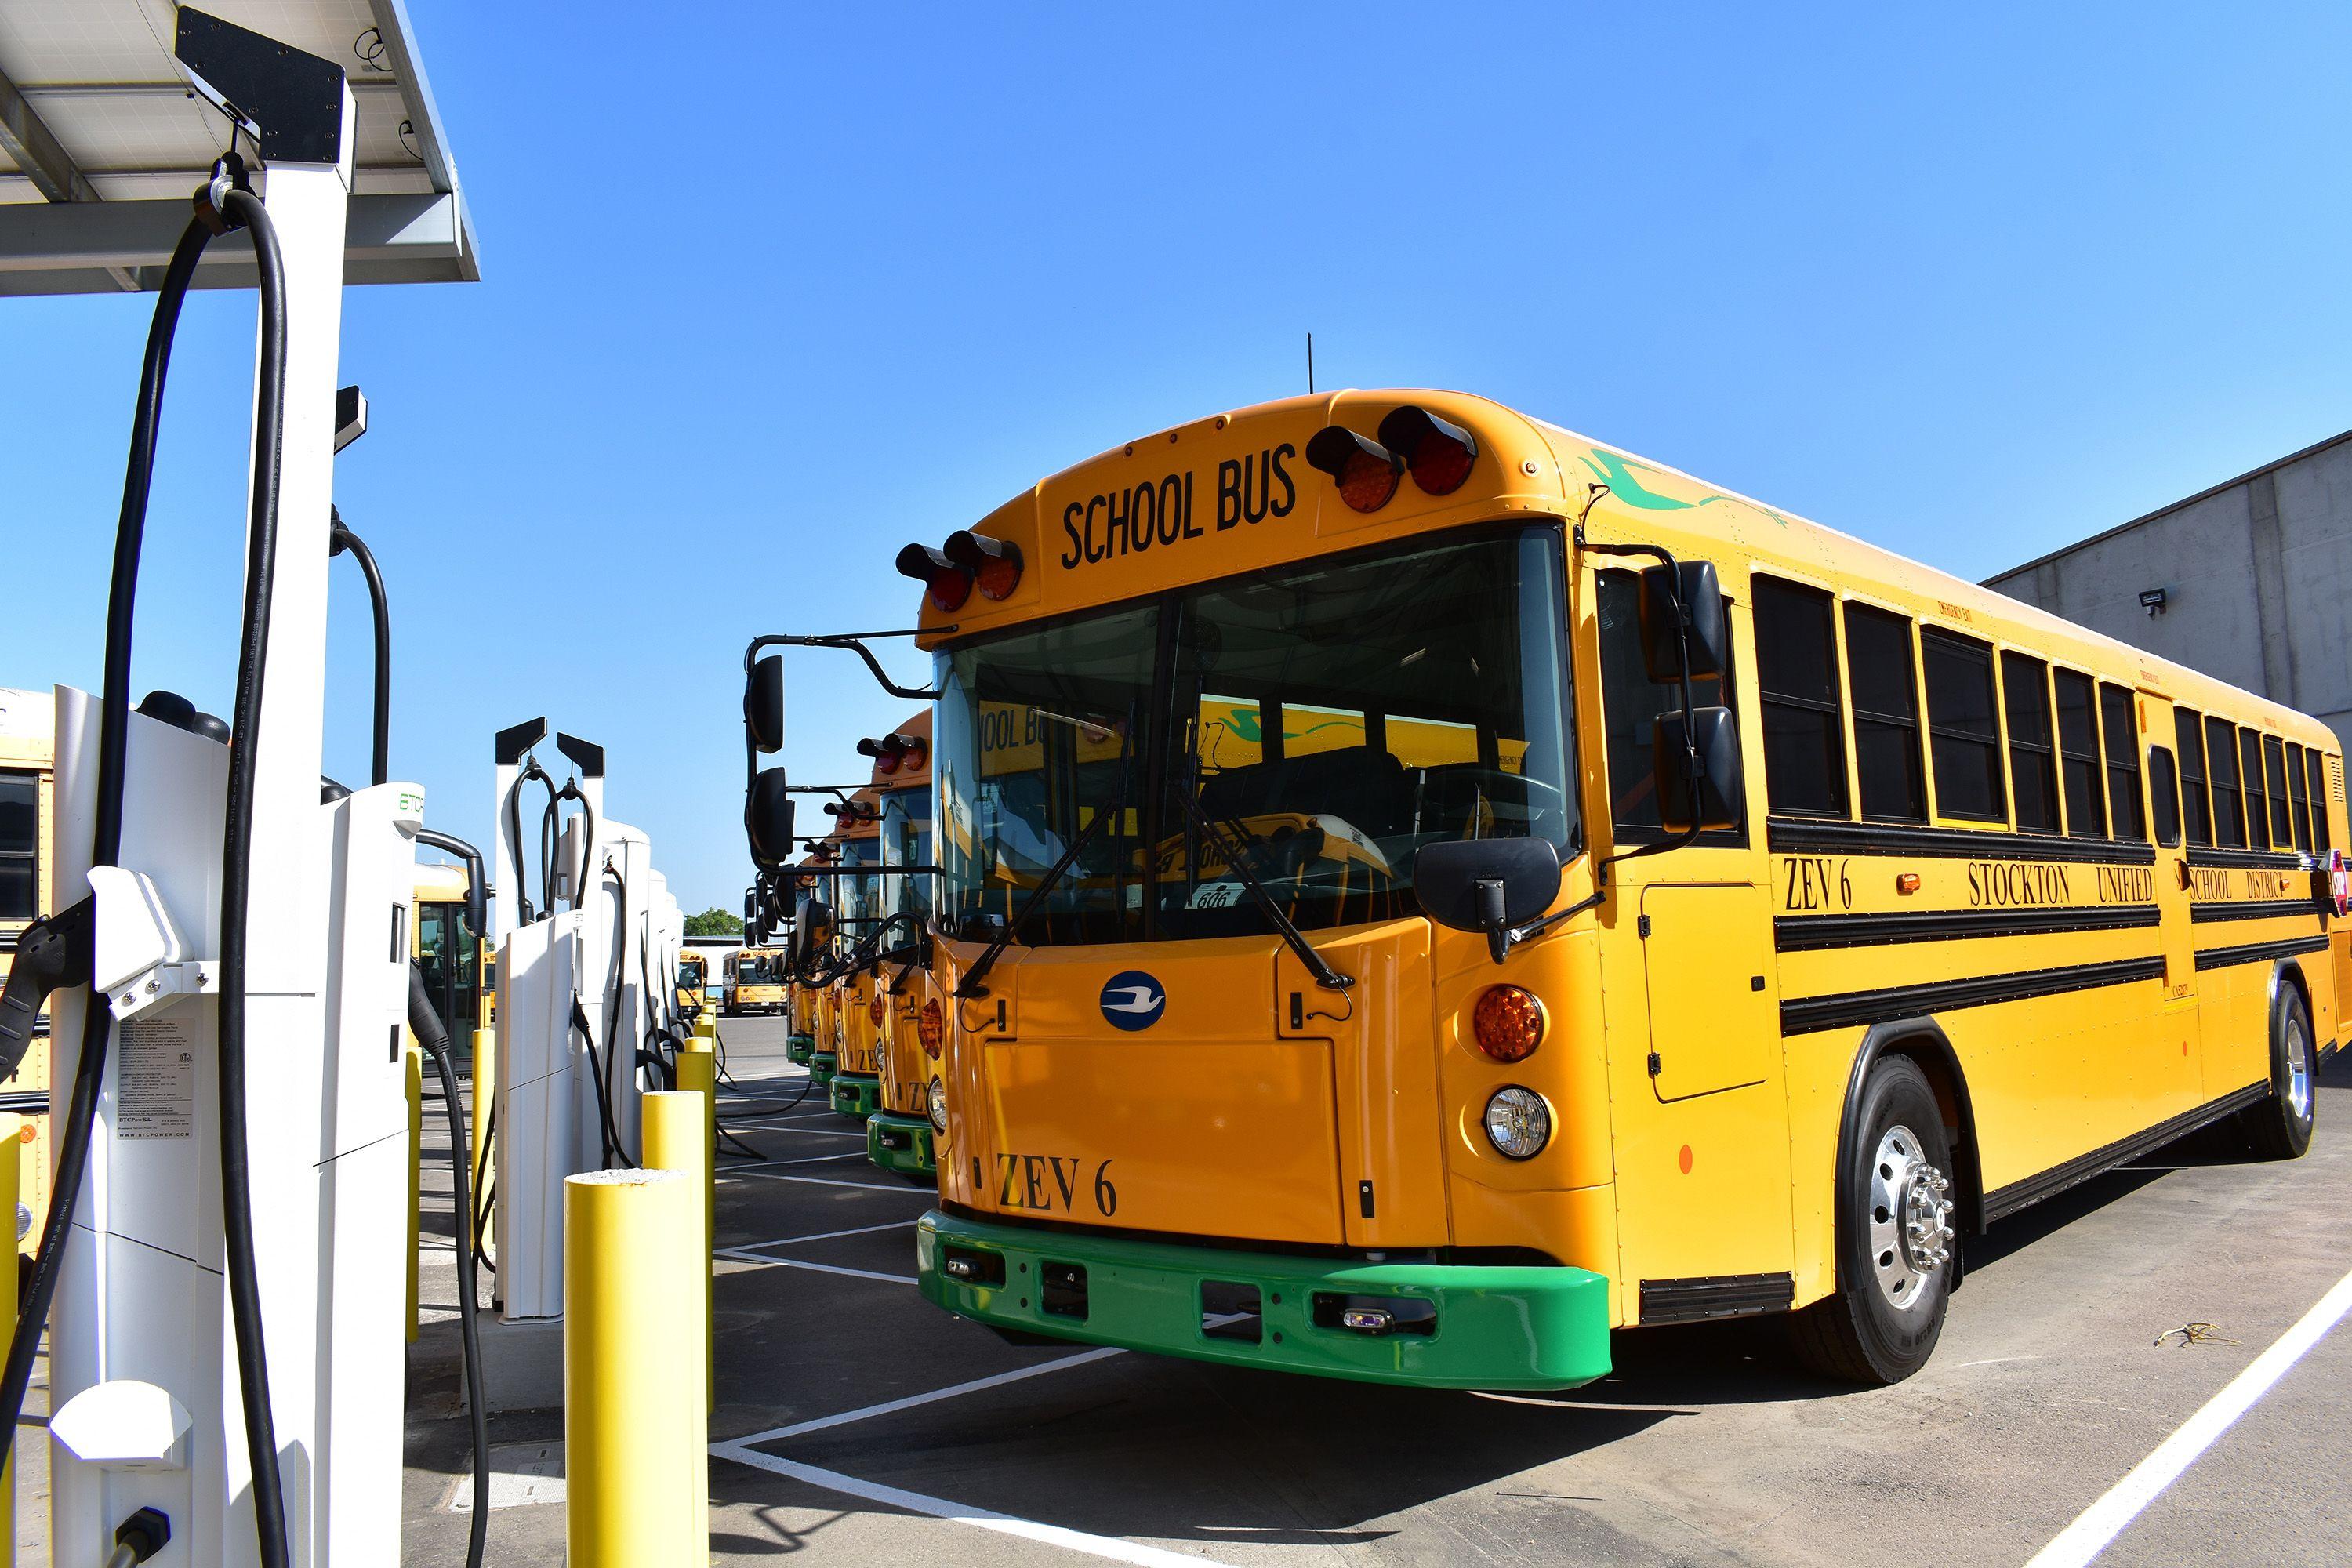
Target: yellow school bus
pixel 903 1130
pixel 759 980
pixel 1422 890
pixel 29 816
pixel 852 1080
pixel 693 980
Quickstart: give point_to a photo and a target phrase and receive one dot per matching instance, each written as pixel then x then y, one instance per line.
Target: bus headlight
pixel 939 1100
pixel 1518 1122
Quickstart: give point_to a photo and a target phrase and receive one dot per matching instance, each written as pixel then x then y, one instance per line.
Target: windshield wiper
pixel 970 986
pixel 1237 857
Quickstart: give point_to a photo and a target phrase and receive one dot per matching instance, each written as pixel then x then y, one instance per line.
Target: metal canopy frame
pixel 95 170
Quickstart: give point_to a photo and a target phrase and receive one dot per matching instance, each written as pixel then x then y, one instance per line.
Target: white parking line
pixel 748 1167
pixel 762 1261
pixel 1106 1546
pixel 892 1406
pixel 2100 1523
pixel 826 1234
pixel 925 1193
pixel 779 1124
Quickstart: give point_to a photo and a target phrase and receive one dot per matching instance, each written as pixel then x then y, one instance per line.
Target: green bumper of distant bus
pixel 798 1049
pixel 858 1094
pixel 1429 1325
pixel 900 1143
pixel 821 1068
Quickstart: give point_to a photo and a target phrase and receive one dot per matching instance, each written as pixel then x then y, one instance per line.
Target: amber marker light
pixel 932 1029
pixel 994 564
pixel 877 1009
pixel 1508 1024
pixel 1366 470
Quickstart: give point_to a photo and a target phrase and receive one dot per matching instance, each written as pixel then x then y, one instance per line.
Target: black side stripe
pixel 2259 951
pixel 1795 836
pixel 2244 859
pixel 1807 1014
pixel 2008 1200
pixel 2263 909
pixel 1798 933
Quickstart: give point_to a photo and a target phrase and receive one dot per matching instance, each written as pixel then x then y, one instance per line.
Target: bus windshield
pixel 906 841
pixel 855 899
pixel 1327 718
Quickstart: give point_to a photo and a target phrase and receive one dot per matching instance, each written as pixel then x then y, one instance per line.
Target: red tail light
pixel 948 584
pixel 878 1009
pixel 1438 452
pixel 932 1029
pixel 1366 470
pixel 994 564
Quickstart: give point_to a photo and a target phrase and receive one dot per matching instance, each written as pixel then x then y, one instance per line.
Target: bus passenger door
pixel 2177 1061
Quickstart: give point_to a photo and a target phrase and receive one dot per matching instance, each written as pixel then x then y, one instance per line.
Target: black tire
pixel 2280 1127
pixel 1883 1323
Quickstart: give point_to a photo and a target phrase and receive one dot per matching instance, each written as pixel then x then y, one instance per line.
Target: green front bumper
pixel 858 1094
pixel 821 1068
pixel 798 1049
pixel 900 1143
pixel 1500 1328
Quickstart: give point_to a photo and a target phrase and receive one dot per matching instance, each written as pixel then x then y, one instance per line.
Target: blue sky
pixel 768 290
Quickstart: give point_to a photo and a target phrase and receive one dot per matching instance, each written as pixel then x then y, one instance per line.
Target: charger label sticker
pixel 156 1078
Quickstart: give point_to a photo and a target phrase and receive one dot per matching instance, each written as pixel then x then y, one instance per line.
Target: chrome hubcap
pixel 2298 1071
pixel 1910 1217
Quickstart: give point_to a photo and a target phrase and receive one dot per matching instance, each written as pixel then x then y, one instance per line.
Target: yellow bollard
pixel 676 1138
pixel 636 1481
pixel 412 1067
pixel 484 1097
pixel 12 1128
pixel 698 1071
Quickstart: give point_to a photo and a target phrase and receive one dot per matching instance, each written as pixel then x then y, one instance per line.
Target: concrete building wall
pixel 2257 575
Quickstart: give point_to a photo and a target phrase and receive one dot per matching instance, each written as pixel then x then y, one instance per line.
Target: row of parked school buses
pixel 1418 891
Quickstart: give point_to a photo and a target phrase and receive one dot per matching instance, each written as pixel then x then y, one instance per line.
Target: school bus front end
pixel 1221 701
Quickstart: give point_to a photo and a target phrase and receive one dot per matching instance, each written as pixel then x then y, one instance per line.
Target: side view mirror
pixel 768 819
pixel 811 929
pixel 1712 800
pixel 1485 884
pixel 1709 634
pixel 763 703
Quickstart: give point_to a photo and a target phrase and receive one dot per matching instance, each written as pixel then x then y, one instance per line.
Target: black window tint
pixel 1631 704
pixel 2164 795
pixel 2250 769
pixel 1886 715
pixel 2315 765
pixel 2032 763
pixel 2078 756
pixel 2123 763
pixel 20 846
pixel 2298 796
pixel 1963 736
pixel 1797 684
pixel 2274 772
pixel 2222 766
pixel 2196 808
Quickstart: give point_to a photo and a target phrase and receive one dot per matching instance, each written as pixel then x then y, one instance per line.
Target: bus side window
pixel 2229 805
pixel 2164 797
pixel 2250 768
pixel 1963 736
pixel 2317 764
pixel 1803 709
pixel 2298 796
pixel 20 845
pixel 2274 772
pixel 1886 715
pixel 2078 751
pixel 2197 808
pixel 2033 760
pixel 1630 706
pixel 2122 764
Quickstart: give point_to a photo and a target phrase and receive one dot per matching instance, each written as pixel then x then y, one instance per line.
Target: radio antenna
pixel 1310 364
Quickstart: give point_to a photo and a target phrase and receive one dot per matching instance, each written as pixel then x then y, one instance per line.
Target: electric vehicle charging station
pixel 584 983
pixel 235 911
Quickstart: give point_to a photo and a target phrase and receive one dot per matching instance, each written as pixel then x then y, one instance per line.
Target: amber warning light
pixel 1437 453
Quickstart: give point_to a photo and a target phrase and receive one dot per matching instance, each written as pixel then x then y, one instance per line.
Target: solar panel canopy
pixel 103 142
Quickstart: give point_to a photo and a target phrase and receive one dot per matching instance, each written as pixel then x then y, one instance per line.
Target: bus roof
pixel 1232 493
pixel 440 884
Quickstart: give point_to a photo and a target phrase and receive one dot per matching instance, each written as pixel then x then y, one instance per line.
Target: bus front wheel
pixel 1897 1243
pixel 2279 1128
